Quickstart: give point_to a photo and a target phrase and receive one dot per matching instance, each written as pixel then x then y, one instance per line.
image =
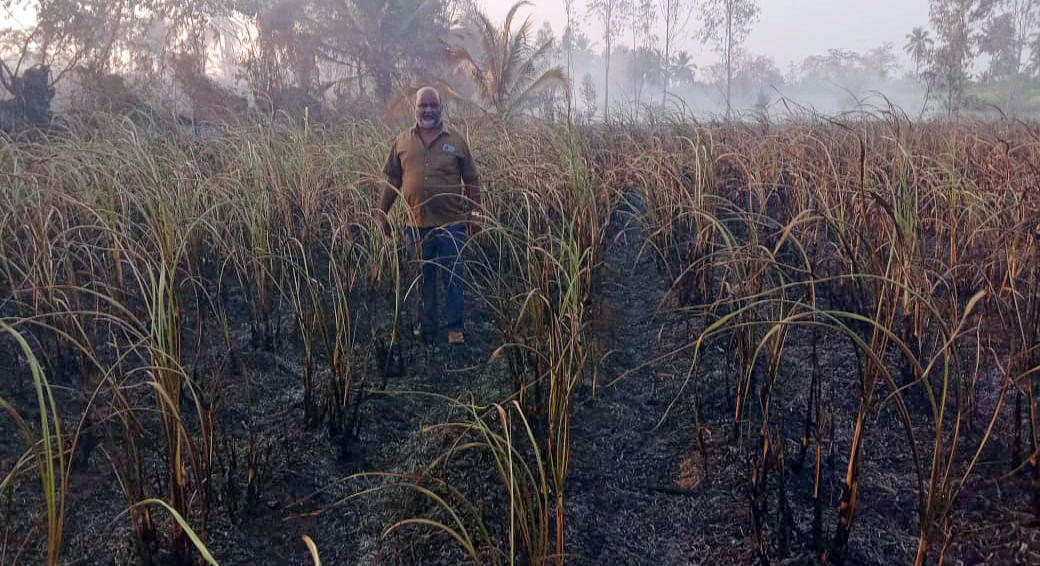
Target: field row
pixel 137 261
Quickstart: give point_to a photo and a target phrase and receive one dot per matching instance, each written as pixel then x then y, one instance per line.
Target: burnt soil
pixel 640 490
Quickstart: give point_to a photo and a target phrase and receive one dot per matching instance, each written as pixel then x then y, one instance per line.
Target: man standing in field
pixel 434 170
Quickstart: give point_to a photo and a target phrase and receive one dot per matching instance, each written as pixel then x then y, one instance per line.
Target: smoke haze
pixel 826 56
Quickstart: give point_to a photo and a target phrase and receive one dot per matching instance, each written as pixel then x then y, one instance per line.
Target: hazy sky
pixel 788 30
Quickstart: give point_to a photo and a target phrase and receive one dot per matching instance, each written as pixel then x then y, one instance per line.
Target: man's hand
pixel 476 223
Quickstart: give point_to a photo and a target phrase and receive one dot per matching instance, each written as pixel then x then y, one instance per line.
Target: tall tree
pixel 392 40
pixel 643 17
pixel 96 38
pixel 286 49
pixel 881 60
pixel 681 68
pixel 997 40
pixel 548 98
pixel 955 22
pixel 568 45
pixel 99 36
pixel 1034 54
pixel 610 14
pixel 918 46
pixel 588 96
pixel 1004 37
pixel 510 65
pixel 1025 23
pixel 377 44
pixel 676 16
pixel 758 73
pixel 727 24
pixel 646 68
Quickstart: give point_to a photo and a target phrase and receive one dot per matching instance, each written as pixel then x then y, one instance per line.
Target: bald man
pixel 433 168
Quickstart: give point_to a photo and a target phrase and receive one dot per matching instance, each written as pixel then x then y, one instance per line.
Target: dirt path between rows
pixel 626 503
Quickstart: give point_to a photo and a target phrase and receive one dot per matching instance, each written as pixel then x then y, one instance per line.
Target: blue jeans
pixel 441 259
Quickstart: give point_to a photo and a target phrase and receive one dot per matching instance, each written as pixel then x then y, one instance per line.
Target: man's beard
pixel 429 120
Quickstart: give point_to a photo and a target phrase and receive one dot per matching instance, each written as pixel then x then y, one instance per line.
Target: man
pixel 432 167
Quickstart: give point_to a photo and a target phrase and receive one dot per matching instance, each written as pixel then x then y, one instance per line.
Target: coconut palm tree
pixel 1034 50
pixel 681 68
pixel 508 67
pixel 918 46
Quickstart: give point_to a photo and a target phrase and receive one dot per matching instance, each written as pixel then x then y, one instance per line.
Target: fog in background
pixel 826 56
pixel 788 30
pixel 828 82
pixel 207 61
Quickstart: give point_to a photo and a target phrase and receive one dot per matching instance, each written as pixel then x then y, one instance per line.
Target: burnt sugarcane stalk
pixel 817 500
pixel 812 407
pixel 850 489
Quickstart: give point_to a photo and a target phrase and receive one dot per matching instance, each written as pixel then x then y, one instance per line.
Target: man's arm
pixel 472 190
pixel 471 187
pixel 386 201
pixel 394 173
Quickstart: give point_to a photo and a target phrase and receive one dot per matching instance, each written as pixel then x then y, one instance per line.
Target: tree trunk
pixel 606 86
pixel 729 62
pixel 667 58
pixel 384 83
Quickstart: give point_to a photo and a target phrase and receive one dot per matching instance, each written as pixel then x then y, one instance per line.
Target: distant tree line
pixel 217 57
pixel 1005 34
pixel 288 54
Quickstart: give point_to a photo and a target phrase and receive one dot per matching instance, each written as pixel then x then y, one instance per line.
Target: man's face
pixel 428 110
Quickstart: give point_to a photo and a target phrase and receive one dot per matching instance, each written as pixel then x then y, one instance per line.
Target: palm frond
pixel 512 13
pixel 466 63
pixel 488 34
pixel 512 61
pixel 506 70
pixel 555 75
pixel 512 42
pixel 528 69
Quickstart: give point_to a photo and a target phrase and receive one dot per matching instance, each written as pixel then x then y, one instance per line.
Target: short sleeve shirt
pixel 432 176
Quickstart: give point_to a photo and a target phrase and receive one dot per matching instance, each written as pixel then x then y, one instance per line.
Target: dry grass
pixel 125 248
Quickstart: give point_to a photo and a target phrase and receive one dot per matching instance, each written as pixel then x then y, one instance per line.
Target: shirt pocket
pixel 447 166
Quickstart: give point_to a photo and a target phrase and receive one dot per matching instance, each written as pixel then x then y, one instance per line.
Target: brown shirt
pixel 432 176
